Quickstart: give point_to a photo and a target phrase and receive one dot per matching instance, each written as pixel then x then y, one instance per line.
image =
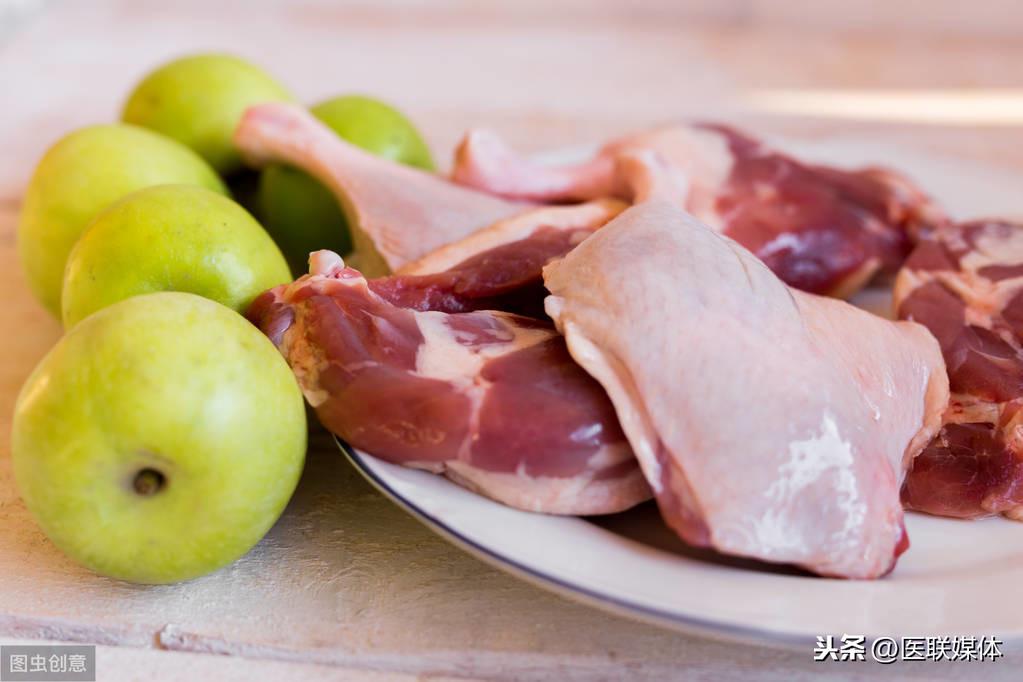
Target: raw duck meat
pixel 499 267
pixel 396 213
pixel 966 286
pixel 770 423
pixel 490 399
pixel 820 229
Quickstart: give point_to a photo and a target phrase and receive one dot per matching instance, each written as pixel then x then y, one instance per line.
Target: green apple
pixel 160 439
pixel 170 238
pixel 198 101
pixel 376 127
pixel 301 214
pixel 79 176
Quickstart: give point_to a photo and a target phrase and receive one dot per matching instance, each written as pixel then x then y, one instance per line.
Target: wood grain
pixel 346 580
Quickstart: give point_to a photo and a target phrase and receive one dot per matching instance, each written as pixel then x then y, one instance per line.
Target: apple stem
pixel 148 482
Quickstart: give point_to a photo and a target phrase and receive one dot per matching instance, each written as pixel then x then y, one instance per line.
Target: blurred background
pixel 941 74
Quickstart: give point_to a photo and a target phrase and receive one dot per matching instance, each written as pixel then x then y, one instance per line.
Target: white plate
pixel 958 577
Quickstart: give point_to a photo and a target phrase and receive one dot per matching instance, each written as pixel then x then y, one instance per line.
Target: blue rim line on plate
pixel 690 624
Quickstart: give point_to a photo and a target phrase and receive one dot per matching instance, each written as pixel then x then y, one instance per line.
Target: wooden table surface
pixel 346 585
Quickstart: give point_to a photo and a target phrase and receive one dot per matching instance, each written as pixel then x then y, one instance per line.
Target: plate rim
pixel 829 149
pixel 687 624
